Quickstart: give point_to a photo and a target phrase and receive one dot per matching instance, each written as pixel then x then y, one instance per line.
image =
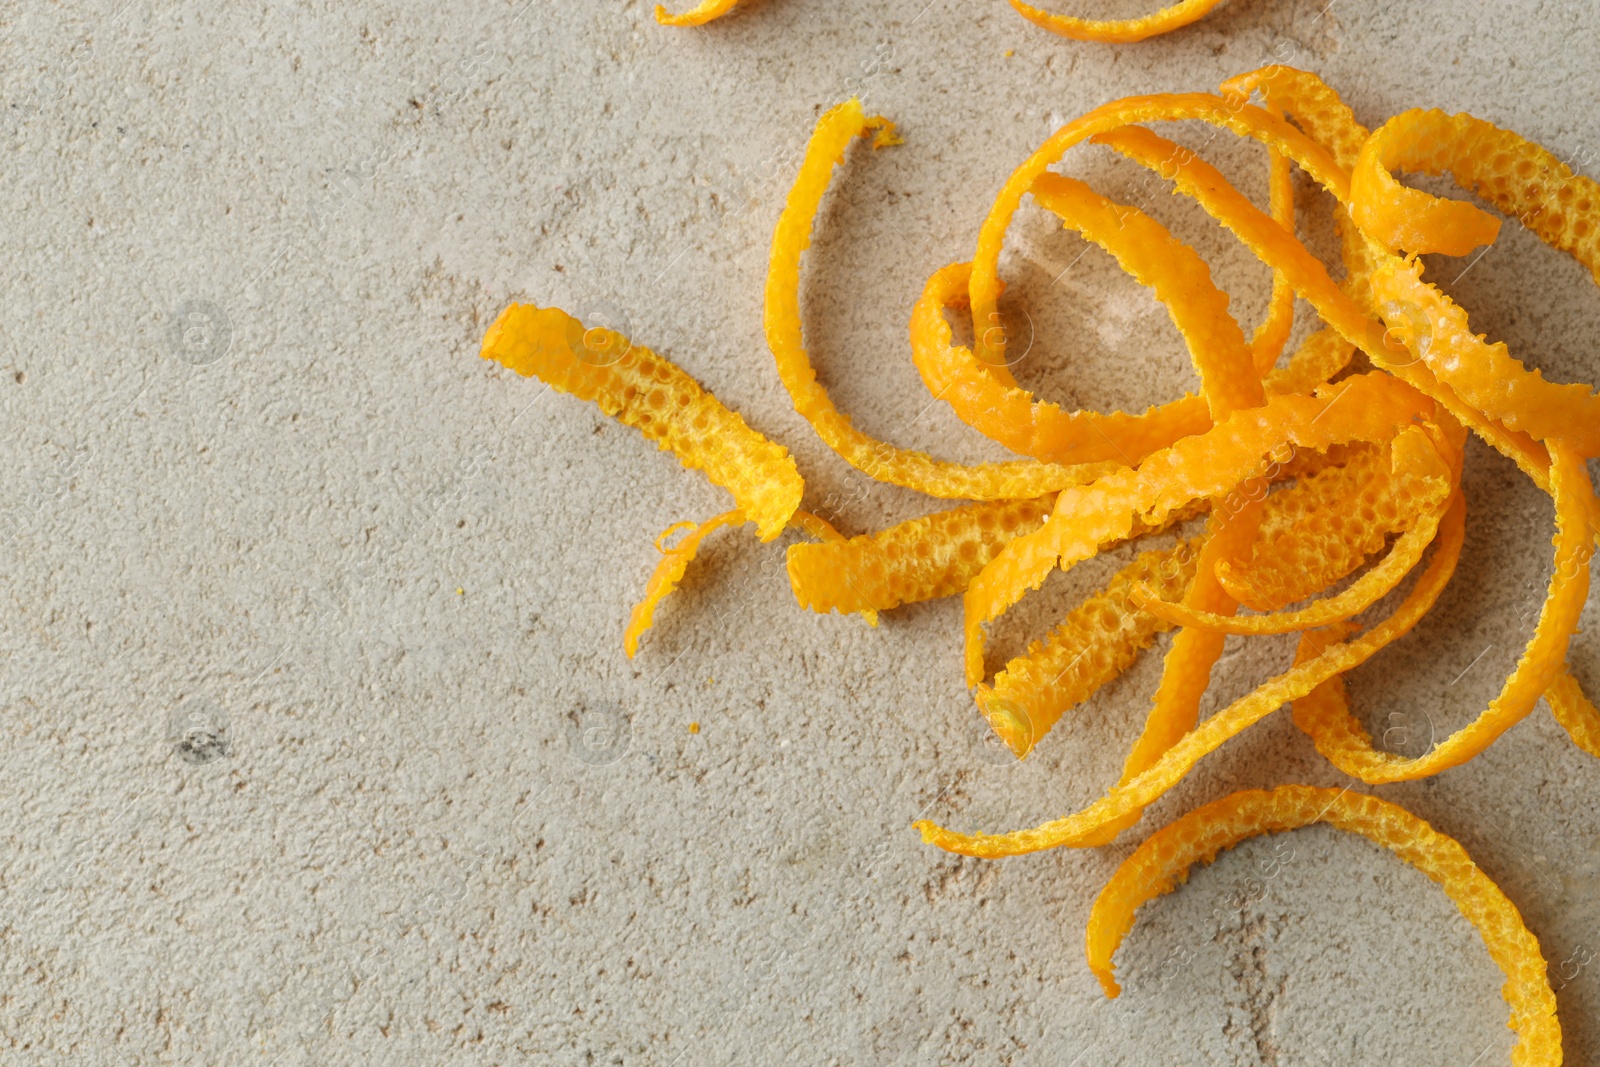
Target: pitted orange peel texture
pixel 1321 489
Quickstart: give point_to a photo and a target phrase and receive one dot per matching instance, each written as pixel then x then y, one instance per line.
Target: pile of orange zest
pixel 1118 31
pixel 913 470
pixel 1416 461
pixel 698 15
pixel 641 389
pixel 1305 471
pixel 1114 508
pixel 1162 862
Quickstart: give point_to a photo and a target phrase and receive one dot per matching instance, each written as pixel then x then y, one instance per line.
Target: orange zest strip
pixel 923 559
pixel 1180 278
pixel 1266 345
pixel 669 572
pixel 1325 713
pixel 698 15
pixel 1232 114
pixel 1158 865
pixel 1118 31
pixel 1086 826
pixel 913 470
pixel 1098 640
pixel 1575 712
pixel 641 389
pixel 1008 414
pixel 1369 407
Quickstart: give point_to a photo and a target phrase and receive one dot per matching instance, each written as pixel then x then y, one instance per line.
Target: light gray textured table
pixel 256 474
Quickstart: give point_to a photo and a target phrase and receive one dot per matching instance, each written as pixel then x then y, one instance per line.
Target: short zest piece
pixel 1162 862
pixel 641 389
pixel 698 15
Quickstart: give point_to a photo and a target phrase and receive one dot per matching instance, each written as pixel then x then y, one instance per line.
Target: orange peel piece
pixel 1325 712
pixel 1163 860
pixel 1086 827
pixel 914 470
pixel 669 572
pixel 922 559
pixel 1009 415
pixel 1575 712
pixel 1118 31
pixel 1096 642
pixel 650 393
pixel 698 15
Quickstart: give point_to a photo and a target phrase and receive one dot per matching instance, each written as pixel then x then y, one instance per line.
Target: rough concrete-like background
pixel 258 480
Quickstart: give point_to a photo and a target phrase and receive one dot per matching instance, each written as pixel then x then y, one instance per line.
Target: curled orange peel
pixel 698 15
pixel 643 390
pixel 914 470
pixel 1118 31
pixel 669 572
pixel 1163 860
pixel 1086 827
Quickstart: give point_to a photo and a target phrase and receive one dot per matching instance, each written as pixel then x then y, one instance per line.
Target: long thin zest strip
pixel 1162 862
pixel 1415 456
pixel 913 470
pixel 1097 641
pixel 1368 407
pixel 1085 826
pixel 1267 343
pixel 1118 31
pixel 698 15
pixel 1180 280
pixel 1575 712
pixel 669 572
pixel 644 390
pixel 1007 413
pixel 1325 713
pixel 922 559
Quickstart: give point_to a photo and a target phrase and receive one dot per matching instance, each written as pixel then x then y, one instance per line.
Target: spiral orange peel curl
pixel 1163 860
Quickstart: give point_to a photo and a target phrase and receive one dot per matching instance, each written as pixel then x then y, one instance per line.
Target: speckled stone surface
pixel 261 493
